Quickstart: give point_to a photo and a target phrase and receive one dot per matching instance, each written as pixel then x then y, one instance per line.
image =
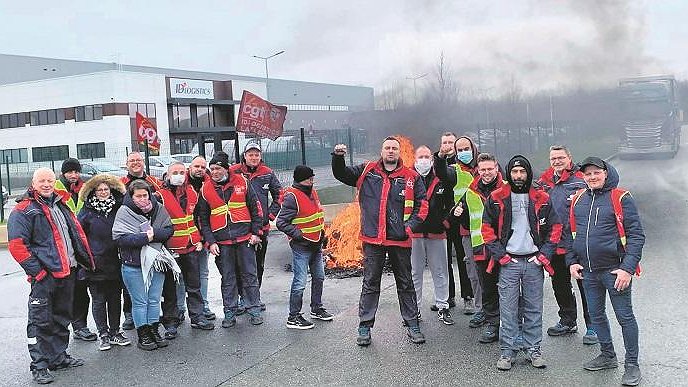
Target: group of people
pixel 147 242
pixel 507 228
pixel 141 245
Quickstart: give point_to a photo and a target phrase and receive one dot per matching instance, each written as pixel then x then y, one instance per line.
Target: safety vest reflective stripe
pixel 408 209
pixel 187 232
pixel 219 210
pixel 231 204
pixel 316 228
pixel 310 217
pixel 182 220
pixel 307 219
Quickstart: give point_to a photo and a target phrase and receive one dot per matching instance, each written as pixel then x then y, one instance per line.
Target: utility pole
pixel 267 75
pixel 414 79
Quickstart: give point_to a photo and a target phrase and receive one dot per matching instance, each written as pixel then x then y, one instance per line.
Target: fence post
pixel 303 147
pixel 7 169
pixel 494 138
pixel 146 153
pixel 351 146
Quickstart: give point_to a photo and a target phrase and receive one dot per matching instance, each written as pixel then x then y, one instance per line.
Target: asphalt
pixel 327 355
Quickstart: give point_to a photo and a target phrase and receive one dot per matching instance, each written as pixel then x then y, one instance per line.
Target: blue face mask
pixel 465 156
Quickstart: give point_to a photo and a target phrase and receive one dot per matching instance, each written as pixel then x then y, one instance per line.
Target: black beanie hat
pixel 302 172
pixel 220 158
pixel 71 165
pixel 519 161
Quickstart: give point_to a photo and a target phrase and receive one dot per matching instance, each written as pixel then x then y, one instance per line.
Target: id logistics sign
pixel 191 88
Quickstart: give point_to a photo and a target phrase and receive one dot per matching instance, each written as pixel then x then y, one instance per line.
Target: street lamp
pixel 267 76
pixel 414 79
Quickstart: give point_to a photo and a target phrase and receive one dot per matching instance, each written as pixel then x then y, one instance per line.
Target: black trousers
pixel 81 303
pixel 563 293
pixel 191 274
pixel 170 311
pixel 488 281
pixel 126 300
pixel 50 312
pixel 237 264
pixel 454 239
pixel 373 262
pixel 260 263
pixel 107 305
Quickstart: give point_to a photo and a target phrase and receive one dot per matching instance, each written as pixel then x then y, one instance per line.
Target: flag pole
pixel 146 153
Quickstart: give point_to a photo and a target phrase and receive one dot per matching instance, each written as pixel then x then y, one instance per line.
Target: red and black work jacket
pixel 180 202
pixel 545 227
pixel 264 183
pixel 560 192
pixel 229 212
pixel 301 217
pixel 393 203
pixel 35 242
pixel 434 225
pixel 153 181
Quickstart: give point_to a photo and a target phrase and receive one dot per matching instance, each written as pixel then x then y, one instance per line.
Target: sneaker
pixel 42 376
pixel 322 314
pixel 170 332
pixel 477 320
pixel 434 308
pixel 240 307
pixel 601 362
pixel 229 322
pixel 104 343
pixel 363 338
pixel 68 362
pixel 255 319
pixel 85 334
pixel 299 322
pixel 451 302
pixel 631 376
pixel 504 363
pixel 590 337
pixel 418 317
pixel 120 339
pixel 490 335
pixel 561 329
pixel 161 342
pixel 202 324
pixel 128 323
pixel 209 315
pixel 444 316
pixel 535 358
pixel 415 335
pixel 468 306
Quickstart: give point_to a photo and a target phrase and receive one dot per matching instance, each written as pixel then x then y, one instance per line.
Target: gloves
pixel 542 260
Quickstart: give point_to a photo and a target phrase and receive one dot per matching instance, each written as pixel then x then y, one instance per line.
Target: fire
pixel 344 249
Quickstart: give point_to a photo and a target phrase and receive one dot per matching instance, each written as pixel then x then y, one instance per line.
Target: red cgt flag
pixel 259 116
pixel 145 130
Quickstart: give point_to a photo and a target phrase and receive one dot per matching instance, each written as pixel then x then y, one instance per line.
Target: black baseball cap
pixel 596 161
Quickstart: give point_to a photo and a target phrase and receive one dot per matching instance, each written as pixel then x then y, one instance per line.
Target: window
pixel 88 113
pixel 91 151
pixel 97 112
pixel 49 153
pixel 205 116
pixel 52 116
pixel 14 156
pixel 79 114
pixel 150 110
pixel 5 121
pixel 146 109
pixel 184 112
pixel 60 116
pixel 34 118
pixel 43 117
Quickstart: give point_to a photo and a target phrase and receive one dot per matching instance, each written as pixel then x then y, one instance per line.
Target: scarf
pixel 102 206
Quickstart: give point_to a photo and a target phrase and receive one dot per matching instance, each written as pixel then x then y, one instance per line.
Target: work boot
pixel 203 324
pixel 209 315
pixel 490 335
pixel 562 329
pixel 477 320
pixel 415 335
pixel 146 340
pixel 68 362
pixel 155 333
pixel 631 376
pixel 128 322
pixel 170 331
pixel 363 338
pixel 42 376
pixel 601 362
pixel 255 319
pixel 85 334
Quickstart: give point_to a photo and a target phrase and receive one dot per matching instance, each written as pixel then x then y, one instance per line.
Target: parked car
pixel 185 158
pixel 5 195
pixel 91 168
pixel 159 164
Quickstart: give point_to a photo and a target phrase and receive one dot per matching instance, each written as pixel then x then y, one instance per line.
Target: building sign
pixel 260 117
pixel 191 88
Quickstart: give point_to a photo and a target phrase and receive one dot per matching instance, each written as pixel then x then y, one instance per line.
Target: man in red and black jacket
pixel 561 181
pixel 231 219
pixel 393 205
pixel 265 184
pixel 48 242
pixel 521 231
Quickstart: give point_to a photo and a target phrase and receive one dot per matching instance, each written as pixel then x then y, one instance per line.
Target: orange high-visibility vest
pixel 236 206
pixel 185 231
pixel 310 218
pixel 617 195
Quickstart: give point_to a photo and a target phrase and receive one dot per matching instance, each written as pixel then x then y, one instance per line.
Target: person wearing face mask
pixel 429 239
pixel 521 230
pixel 459 176
pixel 231 221
pixel 180 200
pixel 142 224
pixel 102 196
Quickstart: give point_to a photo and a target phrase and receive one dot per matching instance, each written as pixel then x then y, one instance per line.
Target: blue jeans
pixel 145 306
pixel 304 258
pixel 597 284
pixel 181 288
pixel 524 279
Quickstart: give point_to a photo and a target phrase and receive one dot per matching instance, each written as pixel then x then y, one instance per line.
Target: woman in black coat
pixel 102 196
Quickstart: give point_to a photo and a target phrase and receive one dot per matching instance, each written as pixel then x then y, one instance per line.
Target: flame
pixel 344 249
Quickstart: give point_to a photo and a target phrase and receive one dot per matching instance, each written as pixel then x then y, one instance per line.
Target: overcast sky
pixel 537 44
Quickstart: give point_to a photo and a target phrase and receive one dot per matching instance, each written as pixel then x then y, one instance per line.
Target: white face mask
pixel 423 166
pixel 177 179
